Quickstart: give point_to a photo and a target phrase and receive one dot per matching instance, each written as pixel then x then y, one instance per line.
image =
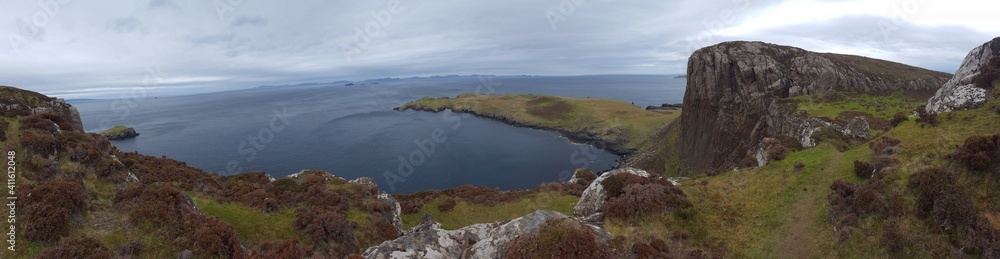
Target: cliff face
pixel 734 90
pixel 961 91
pixel 18 102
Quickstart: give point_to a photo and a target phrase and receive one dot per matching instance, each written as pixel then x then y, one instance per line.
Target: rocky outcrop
pixel 588 209
pixel 19 102
pixel 961 92
pixel 489 240
pixel 734 93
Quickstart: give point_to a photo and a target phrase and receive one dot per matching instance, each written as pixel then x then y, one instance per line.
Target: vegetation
pixel 119 132
pixel 466 213
pixel 559 238
pixel 615 122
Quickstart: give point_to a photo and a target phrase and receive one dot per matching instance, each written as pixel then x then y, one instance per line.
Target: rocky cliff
pixel 966 89
pixel 18 102
pixel 734 93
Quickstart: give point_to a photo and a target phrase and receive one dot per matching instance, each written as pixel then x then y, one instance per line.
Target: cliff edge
pixel 733 89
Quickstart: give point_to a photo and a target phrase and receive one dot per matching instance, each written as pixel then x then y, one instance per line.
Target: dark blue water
pixel 351 131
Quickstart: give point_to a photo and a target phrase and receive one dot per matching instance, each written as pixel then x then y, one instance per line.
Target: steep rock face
pixel 14 101
pixel 960 92
pixel 588 209
pixel 733 90
pixel 489 240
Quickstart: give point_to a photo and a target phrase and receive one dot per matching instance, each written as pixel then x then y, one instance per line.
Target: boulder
pixel 588 209
pixel 488 240
pixel 961 92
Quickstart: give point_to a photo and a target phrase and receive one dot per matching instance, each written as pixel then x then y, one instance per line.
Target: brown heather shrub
pixel 645 199
pixel 929 184
pixel 212 238
pixel 156 204
pixel 288 249
pixel 559 238
pixel 3 130
pixel 585 174
pixel 863 169
pixel 574 189
pixel 898 118
pixel 988 74
pixel 979 152
pixel 151 169
pixel 330 231
pixel 792 144
pixel 39 142
pixel 850 202
pixel 615 185
pixel 40 168
pixel 130 249
pixel 446 205
pixel 84 247
pixel 49 207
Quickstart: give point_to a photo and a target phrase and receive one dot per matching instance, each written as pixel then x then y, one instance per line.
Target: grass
pixel 830 105
pixel 252 225
pixel 465 213
pixel 609 120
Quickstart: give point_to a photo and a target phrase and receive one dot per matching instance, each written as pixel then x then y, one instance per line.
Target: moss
pixel 466 213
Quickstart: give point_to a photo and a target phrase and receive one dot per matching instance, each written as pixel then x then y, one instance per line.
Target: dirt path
pixel 802 234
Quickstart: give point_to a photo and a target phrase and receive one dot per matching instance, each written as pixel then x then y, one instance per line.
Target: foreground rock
pixel 733 91
pixel 489 240
pixel 119 133
pixel 588 209
pixel 961 91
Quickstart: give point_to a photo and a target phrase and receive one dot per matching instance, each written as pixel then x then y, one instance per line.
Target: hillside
pixel 613 125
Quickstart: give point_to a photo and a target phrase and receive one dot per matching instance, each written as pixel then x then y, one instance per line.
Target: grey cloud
pixel 255 21
pixel 125 24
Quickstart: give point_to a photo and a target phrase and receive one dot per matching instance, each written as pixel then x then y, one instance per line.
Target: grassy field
pixel 466 213
pixel 252 225
pixel 605 119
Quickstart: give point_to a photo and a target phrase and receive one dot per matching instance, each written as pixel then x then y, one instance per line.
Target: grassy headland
pixel 615 126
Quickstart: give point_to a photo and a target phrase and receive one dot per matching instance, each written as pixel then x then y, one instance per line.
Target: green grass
pixel 883 107
pixel 465 213
pixel 610 120
pixel 252 225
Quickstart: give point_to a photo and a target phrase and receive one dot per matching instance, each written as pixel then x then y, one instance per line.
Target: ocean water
pixel 352 132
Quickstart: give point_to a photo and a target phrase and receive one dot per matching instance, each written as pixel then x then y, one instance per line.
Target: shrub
pixel 833 137
pixel 894 238
pixel 330 231
pixel 988 74
pixel 645 199
pixel 585 174
pixel 50 205
pixel 863 169
pixel 446 205
pixel 898 118
pixel 929 184
pixel 928 119
pixel 39 142
pixel 130 249
pixel 214 238
pixel 77 247
pixel 288 249
pixel 979 152
pixel 559 238
pixel 775 150
pixel 852 201
pixel 615 185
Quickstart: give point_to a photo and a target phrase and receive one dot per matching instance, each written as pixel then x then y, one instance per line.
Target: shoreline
pixel 613 147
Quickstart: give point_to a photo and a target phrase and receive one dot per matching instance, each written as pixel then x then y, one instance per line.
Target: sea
pixel 351 130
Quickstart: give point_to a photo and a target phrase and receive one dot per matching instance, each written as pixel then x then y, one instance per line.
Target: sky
pixel 104 49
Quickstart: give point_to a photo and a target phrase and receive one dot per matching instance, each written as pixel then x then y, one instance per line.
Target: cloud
pixel 94 50
pixel 125 24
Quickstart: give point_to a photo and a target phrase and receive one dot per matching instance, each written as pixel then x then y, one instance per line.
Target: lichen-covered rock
pixel 733 88
pixel 960 92
pixel 489 240
pixel 588 209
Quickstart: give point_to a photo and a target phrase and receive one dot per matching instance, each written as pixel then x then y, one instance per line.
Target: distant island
pixel 119 133
pixel 681 76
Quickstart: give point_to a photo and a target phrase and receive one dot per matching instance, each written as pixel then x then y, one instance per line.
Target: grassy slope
pixel 466 213
pixel 883 107
pixel 775 211
pixel 609 119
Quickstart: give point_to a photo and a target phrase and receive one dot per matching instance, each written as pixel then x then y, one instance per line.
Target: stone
pixel 588 209
pixel 960 92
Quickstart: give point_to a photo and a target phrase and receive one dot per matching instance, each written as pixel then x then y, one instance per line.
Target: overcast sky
pixel 101 49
